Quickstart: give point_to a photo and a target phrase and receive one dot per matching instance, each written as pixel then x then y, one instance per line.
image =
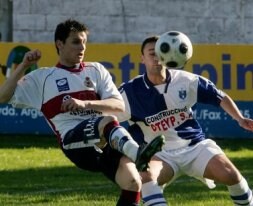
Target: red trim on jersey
pixel 58 136
pixel 53 107
pixel 75 68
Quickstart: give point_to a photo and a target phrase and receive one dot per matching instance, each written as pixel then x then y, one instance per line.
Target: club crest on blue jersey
pixel 182 93
pixel 62 84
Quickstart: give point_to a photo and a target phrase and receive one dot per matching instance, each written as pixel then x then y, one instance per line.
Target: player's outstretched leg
pixel 145 153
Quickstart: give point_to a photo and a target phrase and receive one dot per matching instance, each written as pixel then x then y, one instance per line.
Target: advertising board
pixel 230 67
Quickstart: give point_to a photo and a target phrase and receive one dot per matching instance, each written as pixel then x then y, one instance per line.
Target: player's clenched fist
pixel 73 104
pixel 31 58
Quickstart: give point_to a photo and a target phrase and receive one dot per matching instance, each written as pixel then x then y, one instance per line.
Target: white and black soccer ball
pixel 173 49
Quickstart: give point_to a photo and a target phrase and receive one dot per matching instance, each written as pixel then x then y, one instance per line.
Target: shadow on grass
pixel 235 144
pixel 27 141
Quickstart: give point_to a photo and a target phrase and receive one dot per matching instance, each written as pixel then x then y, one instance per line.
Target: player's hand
pixel 31 57
pixel 72 104
pixel 246 124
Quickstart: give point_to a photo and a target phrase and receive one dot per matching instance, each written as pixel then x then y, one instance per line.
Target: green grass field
pixel 34 171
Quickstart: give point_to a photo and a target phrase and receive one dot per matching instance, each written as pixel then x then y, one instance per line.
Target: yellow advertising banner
pixel 230 67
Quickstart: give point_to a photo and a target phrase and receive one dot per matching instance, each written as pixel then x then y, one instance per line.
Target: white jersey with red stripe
pixel 46 88
pixel 166 109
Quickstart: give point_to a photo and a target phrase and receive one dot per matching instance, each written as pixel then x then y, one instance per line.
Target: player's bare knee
pixel 232 176
pixel 227 176
pixel 110 118
pixel 134 184
pixel 127 175
pixel 147 176
pixel 106 120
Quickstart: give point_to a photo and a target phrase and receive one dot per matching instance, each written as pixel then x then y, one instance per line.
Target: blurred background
pixel 221 33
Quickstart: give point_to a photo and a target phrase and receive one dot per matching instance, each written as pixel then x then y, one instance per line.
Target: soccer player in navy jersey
pixel 160 102
pixel 77 99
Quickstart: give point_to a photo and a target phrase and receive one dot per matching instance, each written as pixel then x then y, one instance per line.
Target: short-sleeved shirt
pixel 166 109
pixel 46 88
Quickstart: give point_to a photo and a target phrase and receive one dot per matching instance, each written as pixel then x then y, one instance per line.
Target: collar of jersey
pixel 75 68
pixel 150 84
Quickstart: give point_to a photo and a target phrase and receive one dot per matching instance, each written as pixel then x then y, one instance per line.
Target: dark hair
pixel 63 30
pixel 149 39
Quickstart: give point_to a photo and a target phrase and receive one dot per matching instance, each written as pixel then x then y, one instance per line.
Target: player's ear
pixel 59 44
pixel 142 59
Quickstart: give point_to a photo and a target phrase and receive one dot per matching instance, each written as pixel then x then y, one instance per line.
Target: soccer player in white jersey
pixel 160 103
pixel 76 99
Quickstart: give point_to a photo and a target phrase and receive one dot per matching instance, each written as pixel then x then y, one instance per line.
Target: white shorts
pixel 191 160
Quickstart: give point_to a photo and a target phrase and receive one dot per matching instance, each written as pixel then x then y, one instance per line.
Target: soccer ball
pixel 173 49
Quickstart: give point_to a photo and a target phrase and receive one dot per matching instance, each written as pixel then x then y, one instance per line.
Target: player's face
pixel 72 51
pixel 150 59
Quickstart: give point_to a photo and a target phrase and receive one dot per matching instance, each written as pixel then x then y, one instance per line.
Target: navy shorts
pixel 88 158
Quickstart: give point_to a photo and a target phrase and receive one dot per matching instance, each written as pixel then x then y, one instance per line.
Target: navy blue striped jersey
pixel 152 110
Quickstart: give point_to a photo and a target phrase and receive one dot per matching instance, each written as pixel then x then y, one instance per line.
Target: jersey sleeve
pixel 123 117
pixel 208 92
pixel 126 115
pixel 28 92
pixel 106 86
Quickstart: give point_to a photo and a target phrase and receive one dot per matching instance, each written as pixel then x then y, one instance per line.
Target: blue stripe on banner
pixel 22 121
pixel 214 121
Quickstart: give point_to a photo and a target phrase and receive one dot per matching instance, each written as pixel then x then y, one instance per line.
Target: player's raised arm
pixel 8 87
pixel 231 108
